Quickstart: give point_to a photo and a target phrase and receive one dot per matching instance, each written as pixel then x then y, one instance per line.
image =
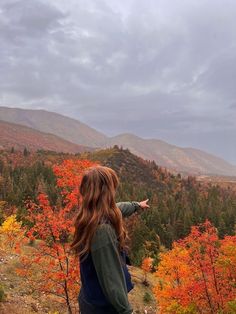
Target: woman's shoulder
pixel 104 235
pixel 106 229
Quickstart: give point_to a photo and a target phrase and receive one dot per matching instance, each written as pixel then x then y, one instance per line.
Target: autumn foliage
pixel 69 175
pixel 199 274
pixel 50 267
pixel 146 267
pixel 12 234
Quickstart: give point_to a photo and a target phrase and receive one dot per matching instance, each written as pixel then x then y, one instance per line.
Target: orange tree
pixel 199 274
pixel 50 267
pixel 146 266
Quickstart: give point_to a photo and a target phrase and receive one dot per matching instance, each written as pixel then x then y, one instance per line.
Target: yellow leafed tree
pixel 11 233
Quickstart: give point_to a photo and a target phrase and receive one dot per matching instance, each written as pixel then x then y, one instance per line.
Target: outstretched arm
pixel 128 208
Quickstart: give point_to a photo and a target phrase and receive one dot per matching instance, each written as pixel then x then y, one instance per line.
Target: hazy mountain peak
pixel 127 136
pixel 51 122
pixel 18 136
pixel 179 159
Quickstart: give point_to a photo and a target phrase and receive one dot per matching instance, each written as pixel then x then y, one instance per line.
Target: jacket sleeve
pixel 109 270
pixel 128 208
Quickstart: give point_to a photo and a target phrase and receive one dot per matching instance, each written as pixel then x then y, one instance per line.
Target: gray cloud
pixel 163 69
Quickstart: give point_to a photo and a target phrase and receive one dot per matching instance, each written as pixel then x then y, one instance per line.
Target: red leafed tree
pixel 69 175
pixel 50 267
pixel 199 274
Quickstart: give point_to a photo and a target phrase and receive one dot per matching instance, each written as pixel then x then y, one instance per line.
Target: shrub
pixel 147 298
pixel 2 294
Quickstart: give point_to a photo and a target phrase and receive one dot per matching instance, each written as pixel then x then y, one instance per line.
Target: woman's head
pixel 98 184
pixel 97 189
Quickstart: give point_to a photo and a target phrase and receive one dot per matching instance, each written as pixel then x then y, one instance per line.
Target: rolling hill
pixel 177 159
pixel 19 137
pixel 49 122
pixel 184 160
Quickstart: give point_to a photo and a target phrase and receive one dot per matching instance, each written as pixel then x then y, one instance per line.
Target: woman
pixel 99 241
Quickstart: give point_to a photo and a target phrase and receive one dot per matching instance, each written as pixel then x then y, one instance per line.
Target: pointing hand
pixel 143 204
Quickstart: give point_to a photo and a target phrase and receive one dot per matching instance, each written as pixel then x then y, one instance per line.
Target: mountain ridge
pixel 18 136
pixel 178 159
pixel 62 126
pixel 175 158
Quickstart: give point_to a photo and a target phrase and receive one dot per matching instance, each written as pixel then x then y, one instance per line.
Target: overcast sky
pixel 160 69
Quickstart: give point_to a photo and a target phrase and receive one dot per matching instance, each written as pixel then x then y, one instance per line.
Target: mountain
pixel 189 160
pixel 19 137
pixel 178 159
pixel 69 129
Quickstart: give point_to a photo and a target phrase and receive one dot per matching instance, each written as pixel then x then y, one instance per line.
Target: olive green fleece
pixel 128 208
pixel 106 259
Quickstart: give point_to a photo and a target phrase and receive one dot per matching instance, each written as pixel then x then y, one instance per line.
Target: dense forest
pixel 176 203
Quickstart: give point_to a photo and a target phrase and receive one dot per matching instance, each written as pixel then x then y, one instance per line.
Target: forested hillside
pixel 176 203
pixel 39 200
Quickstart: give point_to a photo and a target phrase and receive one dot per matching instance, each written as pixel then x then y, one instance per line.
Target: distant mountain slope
pixel 184 160
pixel 180 159
pixel 19 137
pixel 50 122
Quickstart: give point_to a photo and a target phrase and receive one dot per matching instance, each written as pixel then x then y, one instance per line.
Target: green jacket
pixel 107 262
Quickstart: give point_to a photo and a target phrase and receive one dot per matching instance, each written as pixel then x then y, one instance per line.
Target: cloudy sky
pixel 160 69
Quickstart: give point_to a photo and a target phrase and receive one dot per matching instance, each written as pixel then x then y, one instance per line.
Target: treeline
pixel 19 183
pixel 176 203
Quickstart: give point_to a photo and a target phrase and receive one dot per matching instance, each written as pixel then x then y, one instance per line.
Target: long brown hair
pixel 97 188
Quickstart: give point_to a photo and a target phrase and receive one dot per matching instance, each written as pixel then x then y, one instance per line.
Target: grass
pixel 136 296
pixel 19 297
